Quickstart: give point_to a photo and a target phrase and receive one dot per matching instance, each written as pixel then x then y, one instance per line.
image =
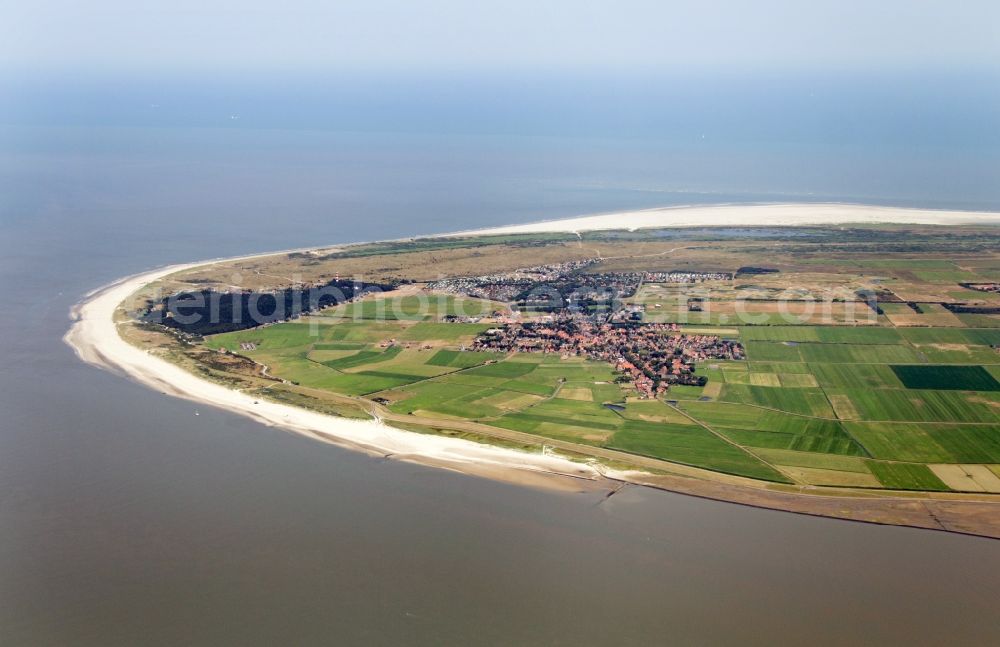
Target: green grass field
pixel 906 476
pixel 460 359
pixel 692 445
pixel 855 376
pixel 951 378
pixel 815 460
pixel 808 402
pixel 921 405
pixel 929 443
pixel 363 357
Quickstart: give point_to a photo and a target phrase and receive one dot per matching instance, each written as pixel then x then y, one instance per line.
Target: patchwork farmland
pixel 822 406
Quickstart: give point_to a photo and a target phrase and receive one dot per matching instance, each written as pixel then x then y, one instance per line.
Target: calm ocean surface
pixel 128 520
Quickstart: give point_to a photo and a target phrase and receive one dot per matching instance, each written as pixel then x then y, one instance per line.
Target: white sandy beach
pixel 798 214
pixel 94 336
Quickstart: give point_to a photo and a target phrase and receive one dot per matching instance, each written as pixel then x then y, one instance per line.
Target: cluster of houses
pixel 650 356
pixel 686 277
pixel 507 286
pixel 586 317
pixel 588 293
pixel 983 287
pixel 559 286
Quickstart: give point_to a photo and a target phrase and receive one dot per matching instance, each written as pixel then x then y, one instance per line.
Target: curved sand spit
pixel 797 214
pixel 94 336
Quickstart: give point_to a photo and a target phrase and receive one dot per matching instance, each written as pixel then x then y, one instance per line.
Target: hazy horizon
pixel 256 36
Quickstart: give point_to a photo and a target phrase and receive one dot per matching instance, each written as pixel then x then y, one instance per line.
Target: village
pixel 650 356
pixel 508 286
pixel 583 314
pixel 560 286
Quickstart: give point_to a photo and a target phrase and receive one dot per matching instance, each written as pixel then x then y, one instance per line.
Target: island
pixel 836 360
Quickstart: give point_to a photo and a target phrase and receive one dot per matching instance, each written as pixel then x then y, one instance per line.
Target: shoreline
pixel 94 338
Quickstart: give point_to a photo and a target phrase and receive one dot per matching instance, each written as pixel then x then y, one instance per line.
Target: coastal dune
pixel 95 338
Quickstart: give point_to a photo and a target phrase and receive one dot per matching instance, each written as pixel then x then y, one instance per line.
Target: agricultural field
pixel 951 378
pixel 900 418
pixel 856 371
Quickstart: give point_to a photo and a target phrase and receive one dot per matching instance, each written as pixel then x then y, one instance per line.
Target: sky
pixel 430 36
